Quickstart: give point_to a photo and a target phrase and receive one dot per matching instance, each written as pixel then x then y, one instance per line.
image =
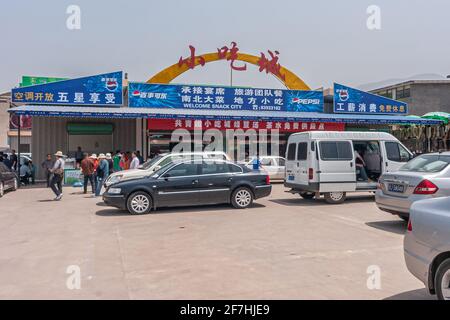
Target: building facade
pixel 422 96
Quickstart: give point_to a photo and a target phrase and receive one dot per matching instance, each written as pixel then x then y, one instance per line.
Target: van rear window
pixel 302 151
pixel 335 150
pixel 291 151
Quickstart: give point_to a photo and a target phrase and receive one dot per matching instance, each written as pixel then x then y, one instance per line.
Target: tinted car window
pixel 302 151
pixel 396 152
pixel 183 169
pixel 281 162
pixel 291 151
pixel 211 167
pixel 427 163
pixel 336 150
pixel 234 169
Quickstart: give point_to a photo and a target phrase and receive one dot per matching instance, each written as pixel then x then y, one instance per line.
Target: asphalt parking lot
pixel 283 247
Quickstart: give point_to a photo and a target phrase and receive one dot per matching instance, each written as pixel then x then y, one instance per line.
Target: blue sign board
pixel 148 95
pixel 102 90
pixel 350 100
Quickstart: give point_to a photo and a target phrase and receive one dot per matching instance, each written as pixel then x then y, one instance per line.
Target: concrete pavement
pixel 283 247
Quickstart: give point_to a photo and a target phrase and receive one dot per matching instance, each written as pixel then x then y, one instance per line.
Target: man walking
pixel 102 173
pixel 87 169
pixel 58 174
pixel 78 156
pixel 47 165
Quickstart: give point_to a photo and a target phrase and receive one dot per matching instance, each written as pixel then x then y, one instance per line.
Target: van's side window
pixel 396 152
pixel 291 151
pixel 335 151
pixel 302 151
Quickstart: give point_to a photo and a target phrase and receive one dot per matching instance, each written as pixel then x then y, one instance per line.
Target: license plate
pixel 290 178
pixel 392 187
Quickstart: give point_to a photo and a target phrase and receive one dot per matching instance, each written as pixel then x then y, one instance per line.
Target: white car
pixel 273 165
pixel 160 161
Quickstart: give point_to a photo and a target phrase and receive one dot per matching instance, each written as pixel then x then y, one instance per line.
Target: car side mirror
pixel 166 175
pixel 156 168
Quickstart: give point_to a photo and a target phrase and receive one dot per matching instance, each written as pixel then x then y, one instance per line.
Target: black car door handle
pixel 194 181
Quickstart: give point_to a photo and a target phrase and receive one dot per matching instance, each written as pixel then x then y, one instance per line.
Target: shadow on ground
pixel 418 294
pixel 394 226
pixel 321 202
pixel 166 210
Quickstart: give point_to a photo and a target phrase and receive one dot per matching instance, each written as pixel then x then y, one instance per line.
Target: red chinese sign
pixel 268 64
pixel 231 57
pixel 282 126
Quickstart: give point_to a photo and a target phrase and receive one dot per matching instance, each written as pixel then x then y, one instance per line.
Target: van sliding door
pixel 336 166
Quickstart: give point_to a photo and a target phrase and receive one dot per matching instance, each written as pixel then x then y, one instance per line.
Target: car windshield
pixel 150 163
pixel 427 163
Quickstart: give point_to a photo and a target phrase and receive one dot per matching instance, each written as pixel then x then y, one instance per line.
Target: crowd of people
pixel 95 169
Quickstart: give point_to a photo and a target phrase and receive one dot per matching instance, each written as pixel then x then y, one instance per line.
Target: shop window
pixel 336 151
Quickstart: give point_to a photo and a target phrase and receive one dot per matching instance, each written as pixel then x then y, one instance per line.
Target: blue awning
pixel 168 113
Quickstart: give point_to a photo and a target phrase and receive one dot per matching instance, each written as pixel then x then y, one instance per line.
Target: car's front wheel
pixel 139 203
pixel 242 198
pixel 442 280
pixel 335 197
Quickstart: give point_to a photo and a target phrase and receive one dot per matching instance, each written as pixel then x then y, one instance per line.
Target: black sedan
pixel 8 179
pixel 188 183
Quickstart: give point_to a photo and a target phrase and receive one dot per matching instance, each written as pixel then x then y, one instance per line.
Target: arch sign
pixel 266 63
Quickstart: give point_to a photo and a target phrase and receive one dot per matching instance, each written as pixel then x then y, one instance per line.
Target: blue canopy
pixel 161 113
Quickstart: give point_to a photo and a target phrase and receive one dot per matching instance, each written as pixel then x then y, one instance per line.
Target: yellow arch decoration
pixel 291 80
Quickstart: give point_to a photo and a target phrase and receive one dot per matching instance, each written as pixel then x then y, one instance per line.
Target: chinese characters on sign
pixel 282 126
pixel 223 98
pixel 269 64
pixel 350 100
pixel 103 89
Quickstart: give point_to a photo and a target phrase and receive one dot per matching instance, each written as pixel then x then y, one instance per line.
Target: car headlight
pixel 114 190
pixel 113 179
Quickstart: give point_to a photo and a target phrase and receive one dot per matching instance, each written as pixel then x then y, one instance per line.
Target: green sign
pixel 72 176
pixel 31 81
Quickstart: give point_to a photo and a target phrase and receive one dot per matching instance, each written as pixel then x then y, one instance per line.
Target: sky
pixel 322 41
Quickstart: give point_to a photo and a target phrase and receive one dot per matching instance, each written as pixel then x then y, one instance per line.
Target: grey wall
pixel 49 134
pixel 428 98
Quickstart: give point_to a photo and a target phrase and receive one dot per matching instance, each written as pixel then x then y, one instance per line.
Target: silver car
pixel 273 165
pixel 427 245
pixel 426 176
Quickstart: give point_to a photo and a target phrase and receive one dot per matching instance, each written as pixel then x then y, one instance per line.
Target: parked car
pixel 8 179
pixel 272 164
pixel 190 182
pixel 427 245
pixel 325 162
pixel 160 161
pixel 426 176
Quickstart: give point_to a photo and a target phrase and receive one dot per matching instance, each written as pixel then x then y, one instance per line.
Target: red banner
pixel 282 126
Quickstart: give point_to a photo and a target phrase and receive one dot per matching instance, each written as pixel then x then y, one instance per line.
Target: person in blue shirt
pixel 256 163
pixel 102 173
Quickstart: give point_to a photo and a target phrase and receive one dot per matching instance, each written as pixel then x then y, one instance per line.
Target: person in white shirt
pixel 135 161
pixel 58 174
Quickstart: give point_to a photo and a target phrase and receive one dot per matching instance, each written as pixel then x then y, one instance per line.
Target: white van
pixel 325 162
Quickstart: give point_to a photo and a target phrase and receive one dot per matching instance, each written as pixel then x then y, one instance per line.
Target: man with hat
pixel 58 174
pixel 102 173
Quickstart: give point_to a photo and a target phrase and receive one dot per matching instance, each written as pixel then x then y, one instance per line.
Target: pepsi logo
pixel 112 85
pixel 343 94
pixel 136 93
